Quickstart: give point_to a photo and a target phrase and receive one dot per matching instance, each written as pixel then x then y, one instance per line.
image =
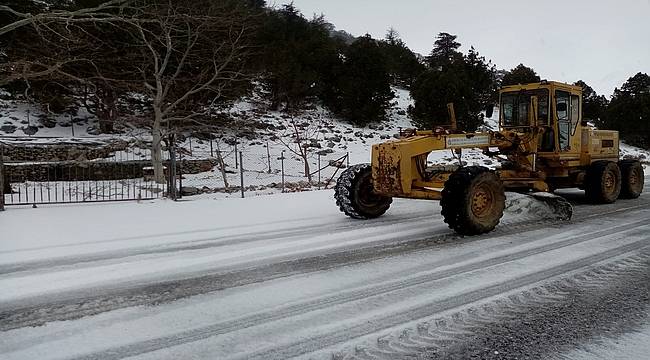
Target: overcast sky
pixel 603 42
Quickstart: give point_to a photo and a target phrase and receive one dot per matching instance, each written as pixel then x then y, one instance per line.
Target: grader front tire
pixel 473 200
pixel 355 196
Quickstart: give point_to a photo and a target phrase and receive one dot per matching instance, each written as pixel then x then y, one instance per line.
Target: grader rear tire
pixel 473 200
pixel 632 179
pixel 603 182
pixel 355 196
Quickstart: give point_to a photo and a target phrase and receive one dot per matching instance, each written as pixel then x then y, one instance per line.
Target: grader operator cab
pixel 542 145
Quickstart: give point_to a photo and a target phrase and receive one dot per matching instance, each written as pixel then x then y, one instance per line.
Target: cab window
pixel 515 107
pixel 564 113
pixel 575 113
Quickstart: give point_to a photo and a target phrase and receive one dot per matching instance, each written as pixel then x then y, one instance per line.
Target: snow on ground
pixel 238 228
pixel 95 248
pixel 632 346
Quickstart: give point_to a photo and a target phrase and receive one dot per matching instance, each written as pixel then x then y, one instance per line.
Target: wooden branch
pixel 94 14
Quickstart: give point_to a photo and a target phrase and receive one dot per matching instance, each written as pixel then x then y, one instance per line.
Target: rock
pixel 190 191
pixel 385 137
pixel 48 123
pixel 8 129
pixel 330 144
pixel 338 164
pixel 401 112
pixel 358 134
pixel 325 152
pixel 93 130
pixel 30 130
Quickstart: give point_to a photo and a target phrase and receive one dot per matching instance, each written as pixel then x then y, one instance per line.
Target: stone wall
pixel 95 171
pixel 62 151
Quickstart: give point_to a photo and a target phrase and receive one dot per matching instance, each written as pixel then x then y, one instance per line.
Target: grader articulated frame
pixel 543 144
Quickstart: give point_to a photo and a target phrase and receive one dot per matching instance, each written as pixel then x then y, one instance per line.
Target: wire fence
pixel 262 168
pixel 36 171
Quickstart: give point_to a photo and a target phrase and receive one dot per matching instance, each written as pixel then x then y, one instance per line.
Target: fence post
pixel 2 177
pixel 241 172
pixel 318 171
pixel 211 151
pixel 347 159
pixel 172 167
pixel 236 160
pixel 179 195
pixel 268 155
pixel 282 162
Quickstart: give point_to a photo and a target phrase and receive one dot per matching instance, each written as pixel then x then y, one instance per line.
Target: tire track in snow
pixel 202 244
pixel 284 351
pixel 452 336
pixel 338 336
pixel 86 302
pixel 212 242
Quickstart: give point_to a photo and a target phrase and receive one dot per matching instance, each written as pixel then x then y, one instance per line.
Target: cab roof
pixel 541 84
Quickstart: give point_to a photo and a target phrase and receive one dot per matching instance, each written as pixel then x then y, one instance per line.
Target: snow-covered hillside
pixel 262 136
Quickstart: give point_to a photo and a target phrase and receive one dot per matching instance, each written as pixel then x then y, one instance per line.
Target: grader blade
pixel 560 206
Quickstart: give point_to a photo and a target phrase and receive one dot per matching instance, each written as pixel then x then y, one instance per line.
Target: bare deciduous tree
pixel 304 137
pixel 183 56
pixel 105 12
pixel 191 54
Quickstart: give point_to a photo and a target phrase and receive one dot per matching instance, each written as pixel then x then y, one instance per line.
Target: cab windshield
pixel 515 104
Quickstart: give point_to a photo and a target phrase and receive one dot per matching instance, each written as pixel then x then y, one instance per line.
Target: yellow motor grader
pixel 542 144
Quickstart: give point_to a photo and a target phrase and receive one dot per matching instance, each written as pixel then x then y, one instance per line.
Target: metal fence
pixel 36 171
pixel 54 171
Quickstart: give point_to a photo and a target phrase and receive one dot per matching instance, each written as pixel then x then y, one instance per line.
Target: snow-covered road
pixel 289 276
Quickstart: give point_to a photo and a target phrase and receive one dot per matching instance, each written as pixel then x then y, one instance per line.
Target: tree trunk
pixel 222 167
pixel 156 149
pixel 306 162
pixel 106 110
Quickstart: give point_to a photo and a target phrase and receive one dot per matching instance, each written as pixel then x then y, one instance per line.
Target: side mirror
pixel 489 111
pixel 560 107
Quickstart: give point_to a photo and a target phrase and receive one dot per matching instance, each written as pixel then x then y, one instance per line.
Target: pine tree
pixel 593 105
pixel 298 54
pixel 445 52
pixel 362 91
pixel 403 64
pixel 468 81
pixel 521 74
pixel 629 111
